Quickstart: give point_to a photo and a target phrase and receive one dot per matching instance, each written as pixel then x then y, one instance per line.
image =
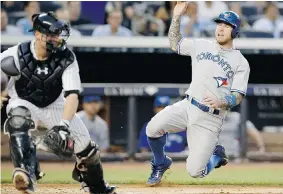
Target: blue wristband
pixel 231 101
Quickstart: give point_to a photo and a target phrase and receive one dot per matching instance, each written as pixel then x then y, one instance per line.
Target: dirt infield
pixel 141 189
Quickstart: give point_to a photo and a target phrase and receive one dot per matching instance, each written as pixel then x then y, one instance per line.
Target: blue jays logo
pixel 221 81
pixel 226 15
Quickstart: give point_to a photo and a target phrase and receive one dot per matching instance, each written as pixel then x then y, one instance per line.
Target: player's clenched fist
pixel 180 8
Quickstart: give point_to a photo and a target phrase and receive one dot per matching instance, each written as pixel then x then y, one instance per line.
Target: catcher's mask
pixel 55 32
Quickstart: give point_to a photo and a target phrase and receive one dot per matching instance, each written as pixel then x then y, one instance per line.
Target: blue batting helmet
pixel 231 18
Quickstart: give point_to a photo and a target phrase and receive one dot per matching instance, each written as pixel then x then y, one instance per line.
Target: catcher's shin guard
pixel 22 149
pixel 88 170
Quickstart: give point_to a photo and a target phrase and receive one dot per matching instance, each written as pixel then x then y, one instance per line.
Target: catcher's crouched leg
pixel 22 149
pixel 88 171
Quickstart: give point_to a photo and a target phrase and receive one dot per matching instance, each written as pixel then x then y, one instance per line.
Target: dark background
pixel 102 67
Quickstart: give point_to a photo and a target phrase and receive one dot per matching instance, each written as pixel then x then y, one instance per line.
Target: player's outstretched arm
pixel 174 33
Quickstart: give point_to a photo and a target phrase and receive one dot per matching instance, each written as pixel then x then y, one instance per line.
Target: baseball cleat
pixel 220 151
pixel 158 171
pixel 109 189
pixel 22 181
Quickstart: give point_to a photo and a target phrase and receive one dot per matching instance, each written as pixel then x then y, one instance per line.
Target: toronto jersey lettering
pixel 217 59
pixel 214 70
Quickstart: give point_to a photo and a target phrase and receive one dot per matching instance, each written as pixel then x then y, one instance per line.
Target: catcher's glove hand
pixel 59 141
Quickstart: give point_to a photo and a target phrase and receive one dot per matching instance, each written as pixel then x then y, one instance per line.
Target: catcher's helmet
pixel 231 18
pixel 48 24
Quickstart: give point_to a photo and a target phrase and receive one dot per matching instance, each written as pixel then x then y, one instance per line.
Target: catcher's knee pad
pixel 18 121
pixel 88 169
pixel 89 156
pixel 22 149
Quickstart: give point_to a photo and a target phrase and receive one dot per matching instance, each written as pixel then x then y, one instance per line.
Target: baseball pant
pixel 51 115
pixel 202 132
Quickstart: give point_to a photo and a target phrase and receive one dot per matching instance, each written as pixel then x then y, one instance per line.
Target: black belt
pixel 203 107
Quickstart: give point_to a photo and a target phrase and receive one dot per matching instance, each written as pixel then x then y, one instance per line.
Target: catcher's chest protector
pixel 41 81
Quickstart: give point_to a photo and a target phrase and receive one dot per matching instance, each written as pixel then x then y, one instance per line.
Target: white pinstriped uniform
pixel 51 115
pixel 215 71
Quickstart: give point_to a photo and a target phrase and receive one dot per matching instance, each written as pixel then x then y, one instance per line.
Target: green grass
pixel 122 174
pixel 223 176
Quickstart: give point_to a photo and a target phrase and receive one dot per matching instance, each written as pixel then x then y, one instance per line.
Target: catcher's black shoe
pixel 108 190
pixel 23 181
pixel 220 151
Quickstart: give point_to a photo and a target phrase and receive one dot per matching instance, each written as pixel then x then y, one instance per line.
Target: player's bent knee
pixel 194 172
pixel 88 169
pixel 149 130
pixel 22 148
pixel 153 129
pixel 85 160
pixel 89 156
pixel 19 120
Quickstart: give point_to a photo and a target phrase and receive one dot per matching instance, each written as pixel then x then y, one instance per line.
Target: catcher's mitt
pixel 59 141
